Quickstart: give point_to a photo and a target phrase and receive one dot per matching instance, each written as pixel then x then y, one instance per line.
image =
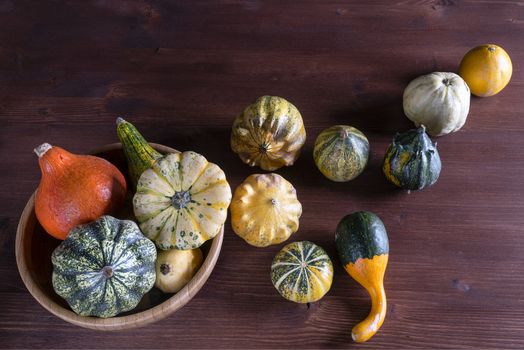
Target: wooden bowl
pixel 33 257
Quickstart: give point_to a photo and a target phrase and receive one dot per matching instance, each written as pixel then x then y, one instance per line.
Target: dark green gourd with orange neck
pixel 412 161
pixel 363 249
pixel 139 154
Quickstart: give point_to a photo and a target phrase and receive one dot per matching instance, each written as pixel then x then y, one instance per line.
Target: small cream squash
pixel 439 101
pixel 175 268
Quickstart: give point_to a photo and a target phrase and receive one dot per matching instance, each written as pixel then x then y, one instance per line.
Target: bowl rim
pixel 139 319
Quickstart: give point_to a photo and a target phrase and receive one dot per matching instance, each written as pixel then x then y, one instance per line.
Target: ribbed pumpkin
pixel 302 272
pixel 182 201
pixel 269 133
pixel 412 160
pixel 104 268
pixel 265 210
pixel 341 152
pixel 363 248
pixel 439 101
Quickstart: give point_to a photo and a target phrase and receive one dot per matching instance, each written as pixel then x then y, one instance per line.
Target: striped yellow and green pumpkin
pixel 139 154
pixel 363 249
pixel 412 161
pixel 341 152
pixel 181 201
pixel 269 133
pixel 104 268
pixel 302 272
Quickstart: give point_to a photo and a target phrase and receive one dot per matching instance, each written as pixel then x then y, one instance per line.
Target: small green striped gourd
pixel 341 153
pixel 302 272
pixel 139 154
pixel 181 201
pixel 412 161
pixel 104 268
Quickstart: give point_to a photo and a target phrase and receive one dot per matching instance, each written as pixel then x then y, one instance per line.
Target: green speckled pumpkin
pixel 341 153
pixel 302 272
pixel 182 201
pixel 104 268
pixel 412 160
pixel 269 133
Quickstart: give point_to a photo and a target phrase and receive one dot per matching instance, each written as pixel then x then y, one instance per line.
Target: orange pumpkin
pixel 75 189
pixel 486 69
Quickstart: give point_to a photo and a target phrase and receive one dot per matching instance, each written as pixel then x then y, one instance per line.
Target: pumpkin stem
pixel 42 149
pixel 263 148
pixel 181 199
pixel 344 133
pixel 446 82
pixel 164 269
pixel 107 271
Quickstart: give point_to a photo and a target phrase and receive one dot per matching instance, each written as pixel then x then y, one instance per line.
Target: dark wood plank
pixel 182 70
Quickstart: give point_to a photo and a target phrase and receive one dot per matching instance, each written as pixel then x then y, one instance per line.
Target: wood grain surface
pixel 182 70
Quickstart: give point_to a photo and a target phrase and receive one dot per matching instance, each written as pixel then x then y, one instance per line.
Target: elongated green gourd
pixel 139 154
pixel 363 248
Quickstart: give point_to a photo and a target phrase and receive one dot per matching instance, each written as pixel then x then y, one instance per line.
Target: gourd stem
pixel 42 149
pixel 120 120
pixel 107 271
pixel 371 324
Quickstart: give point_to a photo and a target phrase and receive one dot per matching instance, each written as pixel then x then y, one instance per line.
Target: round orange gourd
pixel 486 69
pixel 75 189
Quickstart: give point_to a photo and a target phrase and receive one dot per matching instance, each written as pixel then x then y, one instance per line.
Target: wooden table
pixel 182 70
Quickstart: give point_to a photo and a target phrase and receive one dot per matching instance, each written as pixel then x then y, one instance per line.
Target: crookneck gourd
pixel 265 210
pixel 182 201
pixel 75 189
pixel 412 161
pixel 302 272
pixel 104 268
pixel 341 152
pixel 139 154
pixel 439 101
pixel 269 133
pixel 363 248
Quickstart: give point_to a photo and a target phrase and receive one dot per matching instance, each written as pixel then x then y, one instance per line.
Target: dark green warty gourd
pixel 412 161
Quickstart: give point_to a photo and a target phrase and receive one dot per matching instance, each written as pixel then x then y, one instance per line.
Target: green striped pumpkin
pixel 302 272
pixel 412 161
pixel 139 154
pixel 341 153
pixel 104 268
